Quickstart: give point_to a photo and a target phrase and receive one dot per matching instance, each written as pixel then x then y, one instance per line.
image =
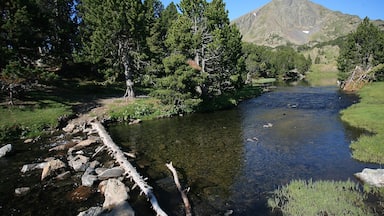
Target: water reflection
pixel 206 148
pixel 233 159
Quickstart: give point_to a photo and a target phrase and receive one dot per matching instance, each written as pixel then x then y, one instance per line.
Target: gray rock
pixel 100 170
pixel 122 209
pixel 51 166
pixel 30 167
pixel 5 149
pixel 87 179
pixel 374 177
pixel 78 163
pixel 93 211
pixel 94 164
pixel 111 173
pixel 63 175
pixel 22 191
pixel 115 193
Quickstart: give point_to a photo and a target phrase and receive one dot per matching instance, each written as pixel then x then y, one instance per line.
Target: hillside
pixel 294 21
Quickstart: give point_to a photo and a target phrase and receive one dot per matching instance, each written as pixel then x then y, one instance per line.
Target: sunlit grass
pixel 369 115
pixel 31 121
pixel 309 198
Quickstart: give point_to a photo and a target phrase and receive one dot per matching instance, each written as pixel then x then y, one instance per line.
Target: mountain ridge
pixel 298 22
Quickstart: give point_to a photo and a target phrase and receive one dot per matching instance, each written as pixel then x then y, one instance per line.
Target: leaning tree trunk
pixel 130 171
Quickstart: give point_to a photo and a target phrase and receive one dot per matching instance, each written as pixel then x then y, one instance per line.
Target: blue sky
pixel 374 9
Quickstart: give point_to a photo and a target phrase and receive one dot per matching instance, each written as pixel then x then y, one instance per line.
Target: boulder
pixel 5 149
pixel 78 163
pixel 51 166
pixel 30 167
pixel 93 211
pixel 115 193
pixel 374 177
pixel 22 191
pixel 111 173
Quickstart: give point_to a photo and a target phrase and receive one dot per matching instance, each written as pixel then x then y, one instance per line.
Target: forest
pixel 183 55
pixel 187 56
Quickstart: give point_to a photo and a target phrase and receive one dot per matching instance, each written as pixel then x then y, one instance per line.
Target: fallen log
pixel 182 192
pixel 129 170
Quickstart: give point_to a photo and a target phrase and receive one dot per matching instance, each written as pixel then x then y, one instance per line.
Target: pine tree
pixel 114 36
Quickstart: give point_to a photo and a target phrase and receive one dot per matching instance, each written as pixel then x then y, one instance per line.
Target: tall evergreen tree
pixel 114 36
pixel 363 47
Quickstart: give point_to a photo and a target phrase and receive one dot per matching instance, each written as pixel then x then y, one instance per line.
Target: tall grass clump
pixel 309 198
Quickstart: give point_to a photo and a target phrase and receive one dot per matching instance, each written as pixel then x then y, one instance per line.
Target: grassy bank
pixel 369 115
pixel 319 198
pixel 38 111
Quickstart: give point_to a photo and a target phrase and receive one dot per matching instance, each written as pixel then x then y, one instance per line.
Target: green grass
pixel 139 108
pixel 368 114
pixel 30 121
pixel 309 198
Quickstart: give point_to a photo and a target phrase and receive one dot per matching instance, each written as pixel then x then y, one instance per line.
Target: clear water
pixel 233 159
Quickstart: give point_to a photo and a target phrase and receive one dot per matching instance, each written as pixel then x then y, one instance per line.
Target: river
pixel 232 160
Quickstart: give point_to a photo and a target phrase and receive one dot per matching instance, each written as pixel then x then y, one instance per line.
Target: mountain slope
pixel 294 21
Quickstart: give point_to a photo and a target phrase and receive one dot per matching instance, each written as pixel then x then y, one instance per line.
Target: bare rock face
pixel 5 149
pixel 281 22
pixel 374 177
pixel 115 193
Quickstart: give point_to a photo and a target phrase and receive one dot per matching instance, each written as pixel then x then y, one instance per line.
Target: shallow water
pixel 233 159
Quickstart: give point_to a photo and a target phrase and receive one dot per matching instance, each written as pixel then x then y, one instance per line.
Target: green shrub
pixel 309 198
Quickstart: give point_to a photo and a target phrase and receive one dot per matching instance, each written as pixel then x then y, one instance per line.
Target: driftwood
pixel 129 170
pixel 182 192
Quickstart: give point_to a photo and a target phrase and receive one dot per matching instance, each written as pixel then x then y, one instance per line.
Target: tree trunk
pixel 130 171
pixel 129 83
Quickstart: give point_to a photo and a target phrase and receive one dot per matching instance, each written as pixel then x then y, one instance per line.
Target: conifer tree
pixel 114 36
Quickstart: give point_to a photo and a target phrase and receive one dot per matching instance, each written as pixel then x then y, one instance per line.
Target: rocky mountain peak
pixel 294 21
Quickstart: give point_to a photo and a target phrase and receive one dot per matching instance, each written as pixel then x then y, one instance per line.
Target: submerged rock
pixel 5 150
pixel 22 191
pixel 374 177
pixel 81 193
pixel 93 211
pixel 122 209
